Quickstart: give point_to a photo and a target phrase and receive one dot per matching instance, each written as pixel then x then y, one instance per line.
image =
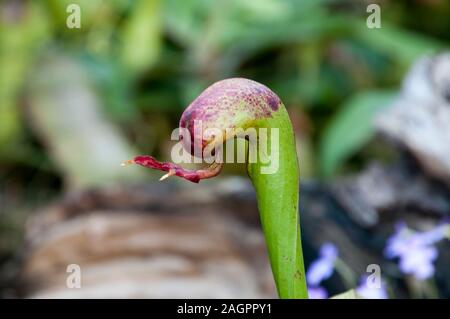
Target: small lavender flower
pixel 369 291
pixel 323 267
pixel 317 293
pixel 415 250
pixel 434 235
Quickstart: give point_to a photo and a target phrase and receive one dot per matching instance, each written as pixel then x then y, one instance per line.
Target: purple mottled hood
pixel 228 104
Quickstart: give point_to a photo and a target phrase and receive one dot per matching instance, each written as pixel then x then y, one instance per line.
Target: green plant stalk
pixel 277 196
pixel 241 104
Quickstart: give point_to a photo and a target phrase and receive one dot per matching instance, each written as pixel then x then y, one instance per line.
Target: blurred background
pixel 370 108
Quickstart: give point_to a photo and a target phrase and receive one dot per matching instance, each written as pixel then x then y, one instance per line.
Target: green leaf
pixel 141 37
pixel 114 84
pixel 19 42
pixel 351 128
pixel 405 46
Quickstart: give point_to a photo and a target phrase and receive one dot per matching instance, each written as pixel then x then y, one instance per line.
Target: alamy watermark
pixel 374 19
pixel 73 20
pixel 73 280
pixel 373 281
pixel 263 146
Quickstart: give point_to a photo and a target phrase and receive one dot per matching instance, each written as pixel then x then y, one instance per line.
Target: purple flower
pixel 323 267
pixel 317 293
pixel 434 235
pixel 415 250
pixel 368 290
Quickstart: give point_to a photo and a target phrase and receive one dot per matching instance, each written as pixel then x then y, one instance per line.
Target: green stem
pixel 277 196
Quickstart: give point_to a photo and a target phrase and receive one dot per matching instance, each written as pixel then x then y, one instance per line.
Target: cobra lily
pixel 228 107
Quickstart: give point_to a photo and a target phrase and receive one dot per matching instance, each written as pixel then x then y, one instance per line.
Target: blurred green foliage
pixel 149 59
pixel 351 128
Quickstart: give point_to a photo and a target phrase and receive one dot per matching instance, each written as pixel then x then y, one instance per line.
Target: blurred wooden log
pixel 420 117
pixel 379 190
pixel 164 240
pixel 146 242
